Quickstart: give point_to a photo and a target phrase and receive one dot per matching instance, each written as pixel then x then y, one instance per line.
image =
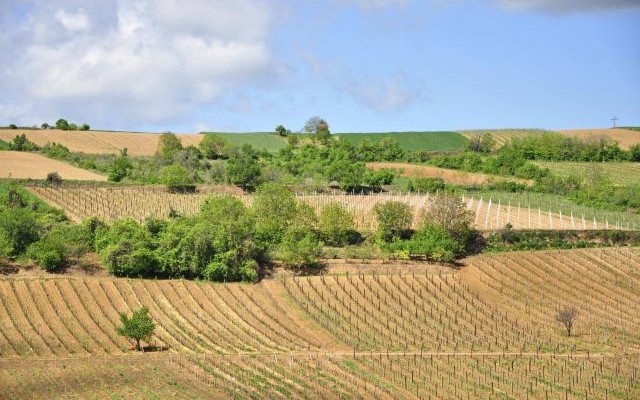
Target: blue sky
pixel 364 65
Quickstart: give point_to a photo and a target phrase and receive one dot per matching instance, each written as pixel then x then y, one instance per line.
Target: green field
pixel 434 141
pixel 4 145
pixel 268 141
pixel 618 173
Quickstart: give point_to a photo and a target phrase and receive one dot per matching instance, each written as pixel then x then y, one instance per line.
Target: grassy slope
pixel 435 141
pixel 4 145
pixel 259 140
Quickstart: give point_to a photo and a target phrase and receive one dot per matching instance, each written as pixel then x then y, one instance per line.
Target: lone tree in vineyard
pixel 567 316
pixel 139 327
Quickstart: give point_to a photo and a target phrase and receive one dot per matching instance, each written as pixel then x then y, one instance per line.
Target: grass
pixel 431 141
pixel 268 141
pixel 631 128
pixel 4 145
pixel 618 173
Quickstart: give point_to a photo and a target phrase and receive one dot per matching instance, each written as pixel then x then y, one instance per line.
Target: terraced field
pixel 486 331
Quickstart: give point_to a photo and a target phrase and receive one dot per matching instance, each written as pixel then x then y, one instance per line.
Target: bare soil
pixel 23 165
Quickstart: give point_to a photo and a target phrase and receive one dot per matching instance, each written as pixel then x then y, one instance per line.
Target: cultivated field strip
pixel 618 173
pixel 68 316
pixel 124 377
pixel 112 203
pixel 602 284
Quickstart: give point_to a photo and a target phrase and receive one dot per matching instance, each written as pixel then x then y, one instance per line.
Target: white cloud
pixel 149 60
pixel 77 21
pixel 567 6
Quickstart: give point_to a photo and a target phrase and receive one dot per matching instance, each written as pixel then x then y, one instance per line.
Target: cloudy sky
pixel 364 65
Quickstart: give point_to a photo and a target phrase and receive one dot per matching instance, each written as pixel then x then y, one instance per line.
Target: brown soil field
pixel 483 330
pixel 448 175
pixel 625 137
pixel 23 165
pixel 98 142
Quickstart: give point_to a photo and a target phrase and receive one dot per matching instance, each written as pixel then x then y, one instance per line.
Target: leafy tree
pixel 336 225
pixel 139 327
pixel 85 127
pixel 451 214
pixel 244 171
pixel 176 178
pixel 120 168
pixel 375 179
pixel 21 143
pixel 481 142
pixel 634 153
pixel 282 131
pixel 168 145
pixel 394 220
pixel 45 126
pixel 347 173
pixel 62 124
pixel 13 126
pixel 275 209
pixel 213 146
pixel 313 124
pixel 73 127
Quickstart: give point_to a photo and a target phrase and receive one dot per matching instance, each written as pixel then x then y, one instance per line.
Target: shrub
pixel 18 229
pixel 53 178
pixel 85 127
pixel 244 171
pixel 50 253
pixel 375 179
pixel 168 145
pixel 394 220
pixel 212 146
pixel 336 225
pixel 275 209
pixel 431 242
pixel 119 169
pixel 176 178
pixel 56 150
pixel 139 327
pixel 300 249
pixel 21 143
pixel 427 185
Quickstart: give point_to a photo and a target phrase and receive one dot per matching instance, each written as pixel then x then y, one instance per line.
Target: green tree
pixel 18 229
pixel 85 127
pixel 336 225
pixel 448 212
pixel 120 168
pixel 139 327
pixel 244 171
pixel 62 124
pixel 282 131
pixel 21 143
pixel 168 145
pixel 213 146
pixel 275 209
pixel 176 178
pixel 394 220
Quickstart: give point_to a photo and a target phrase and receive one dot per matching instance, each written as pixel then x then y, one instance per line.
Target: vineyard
pixel 112 203
pixel 619 173
pixel 486 331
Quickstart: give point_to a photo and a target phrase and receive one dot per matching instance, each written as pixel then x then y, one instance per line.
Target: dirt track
pixel 22 165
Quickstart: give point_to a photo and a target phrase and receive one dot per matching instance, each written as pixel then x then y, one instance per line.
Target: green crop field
pixel 260 140
pixel 4 145
pixel 619 173
pixel 501 136
pixel 434 141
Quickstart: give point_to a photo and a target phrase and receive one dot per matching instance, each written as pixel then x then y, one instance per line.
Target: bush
pixel 62 124
pixel 53 178
pixel 336 225
pixel 56 150
pixel 21 143
pixel 426 185
pixel 448 212
pixel 394 220
pixel 168 145
pixel 431 242
pixel 375 179
pixel 18 229
pixel 50 253
pixel 243 170
pixel 213 146
pixel 300 249
pixel 119 169
pixel 176 178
